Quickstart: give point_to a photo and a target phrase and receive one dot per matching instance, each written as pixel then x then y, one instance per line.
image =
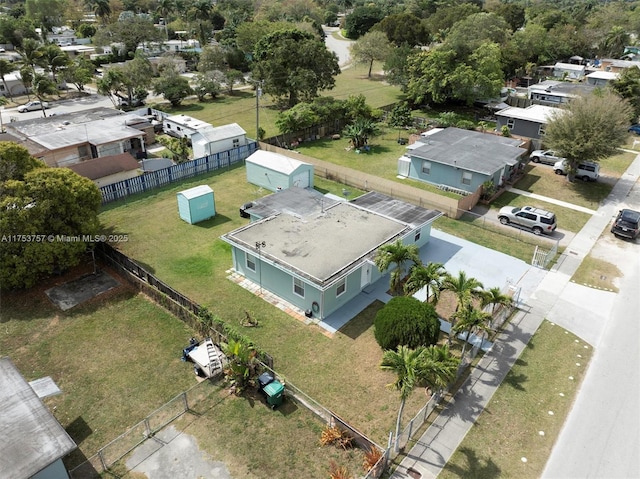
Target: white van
pixel 585 171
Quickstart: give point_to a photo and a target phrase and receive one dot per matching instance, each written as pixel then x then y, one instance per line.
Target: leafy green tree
pixel 399 254
pixel 627 86
pixel 45 13
pixel 513 14
pixel 429 276
pixel 172 87
pixel 86 30
pixel 470 320
pixel 15 162
pixel 294 65
pixel 475 30
pixel 355 107
pixel 443 19
pixel 212 58
pixel 404 29
pixel 406 321
pixel 465 290
pixel 400 117
pixel 207 83
pixel 242 369
pixel 48 201
pixel 232 77
pixel 591 128
pixel 361 19
pixel 79 73
pixel 249 33
pixel 130 31
pixel 360 130
pixel 396 67
pixel 370 47
pixel 179 147
pixel 614 42
pixel 16 30
pixel 297 118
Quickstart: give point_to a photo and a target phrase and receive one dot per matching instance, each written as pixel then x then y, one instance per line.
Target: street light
pixel 259 246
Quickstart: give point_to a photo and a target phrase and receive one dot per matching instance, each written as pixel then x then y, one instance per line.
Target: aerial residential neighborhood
pixel 319 239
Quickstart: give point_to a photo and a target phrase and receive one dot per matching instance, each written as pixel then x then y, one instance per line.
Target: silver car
pixel 32 106
pixel 548 157
pixel 537 220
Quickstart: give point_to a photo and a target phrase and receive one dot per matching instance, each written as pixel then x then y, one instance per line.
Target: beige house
pixel 68 139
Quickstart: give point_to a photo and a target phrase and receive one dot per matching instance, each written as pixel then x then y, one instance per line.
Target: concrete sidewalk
pixel 443 437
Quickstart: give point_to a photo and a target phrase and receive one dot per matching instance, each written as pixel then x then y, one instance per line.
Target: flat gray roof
pixel 322 246
pixel 31 438
pixel 295 201
pixel 391 208
pixel 471 150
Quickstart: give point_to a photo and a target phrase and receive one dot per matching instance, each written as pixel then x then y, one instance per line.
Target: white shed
pixel 275 172
pixel 216 139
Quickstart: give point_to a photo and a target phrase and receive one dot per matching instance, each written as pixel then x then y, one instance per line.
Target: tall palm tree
pixel 5 68
pixel 405 363
pixel 465 290
pixel 438 366
pixel 31 53
pixel 471 320
pixel 165 7
pixel 54 59
pixel 43 86
pixel 102 10
pixel 494 297
pixel 26 75
pixel 399 254
pixel 430 276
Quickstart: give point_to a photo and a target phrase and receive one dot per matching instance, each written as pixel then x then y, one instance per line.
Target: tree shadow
pixel 476 467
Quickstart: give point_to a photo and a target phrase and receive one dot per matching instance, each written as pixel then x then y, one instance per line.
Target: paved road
pixel 57 107
pixel 339 47
pixel 601 437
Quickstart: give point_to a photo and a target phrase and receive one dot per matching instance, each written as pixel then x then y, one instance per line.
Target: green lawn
pixel 241 106
pixel 527 412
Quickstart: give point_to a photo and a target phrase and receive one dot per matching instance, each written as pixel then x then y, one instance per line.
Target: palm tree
pixel 430 276
pixel 405 363
pixel 438 367
pixel 165 7
pixel 471 319
pixel 26 75
pixel 31 53
pixel 5 69
pixel 55 59
pixel 399 254
pixel 360 131
pixel 465 290
pixel 43 86
pixel 495 297
pixel 102 10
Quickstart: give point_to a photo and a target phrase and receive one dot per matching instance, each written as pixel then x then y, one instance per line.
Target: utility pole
pixel 258 84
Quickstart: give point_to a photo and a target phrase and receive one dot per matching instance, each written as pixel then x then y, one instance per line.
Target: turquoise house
pixel 196 204
pixel 318 255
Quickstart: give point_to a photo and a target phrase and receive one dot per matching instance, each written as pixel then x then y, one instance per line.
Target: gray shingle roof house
pixel 33 442
pixel 320 256
pixel 555 93
pixel 462 159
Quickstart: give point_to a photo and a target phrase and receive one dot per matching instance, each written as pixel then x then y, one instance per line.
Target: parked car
pixel 627 224
pixel 537 220
pixel 585 171
pixel 548 157
pixel 634 129
pixel 32 106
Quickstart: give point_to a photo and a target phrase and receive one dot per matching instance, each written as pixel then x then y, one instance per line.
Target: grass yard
pixel 192 259
pixel 544 380
pixel 241 106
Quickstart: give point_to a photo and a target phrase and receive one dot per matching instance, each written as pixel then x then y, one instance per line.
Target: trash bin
pixel 274 391
pixel 264 379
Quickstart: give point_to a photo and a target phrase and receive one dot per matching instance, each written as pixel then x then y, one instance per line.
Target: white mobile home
pixel 181 126
pixel 216 139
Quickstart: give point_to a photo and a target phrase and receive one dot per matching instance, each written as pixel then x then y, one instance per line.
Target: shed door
pixel 365 275
pixel 301 180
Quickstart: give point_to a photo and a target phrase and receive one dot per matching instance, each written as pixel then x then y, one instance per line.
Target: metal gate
pixel 542 258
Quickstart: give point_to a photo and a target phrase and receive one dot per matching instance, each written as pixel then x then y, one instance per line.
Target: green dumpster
pixel 274 391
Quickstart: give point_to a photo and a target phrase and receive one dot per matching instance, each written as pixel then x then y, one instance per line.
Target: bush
pixel 466 125
pixel 406 321
pixel 447 119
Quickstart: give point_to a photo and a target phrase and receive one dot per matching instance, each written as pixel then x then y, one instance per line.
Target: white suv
pixel 537 220
pixel 586 171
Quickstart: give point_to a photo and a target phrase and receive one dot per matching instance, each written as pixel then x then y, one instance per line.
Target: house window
pixel 342 287
pixel 466 177
pixel 426 167
pixel 251 263
pixel 236 142
pixel 417 236
pixel 298 287
pixel 511 123
pixel 542 129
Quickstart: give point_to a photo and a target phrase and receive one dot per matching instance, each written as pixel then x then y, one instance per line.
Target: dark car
pixel 627 224
pixel 634 129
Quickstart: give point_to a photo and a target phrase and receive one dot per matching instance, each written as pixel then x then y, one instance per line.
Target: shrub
pixel 371 458
pixel 338 472
pixel 466 125
pixel 448 118
pixel 406 321
pixel 505 131
pixel 336 436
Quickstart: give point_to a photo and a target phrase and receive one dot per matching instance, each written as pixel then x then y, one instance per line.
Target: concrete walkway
pixel 443 437
pixel 551 200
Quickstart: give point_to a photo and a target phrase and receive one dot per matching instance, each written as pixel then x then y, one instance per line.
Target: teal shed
pixel 196 204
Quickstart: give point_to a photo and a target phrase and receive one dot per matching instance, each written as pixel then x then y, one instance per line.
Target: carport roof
pixel 31 438
pixel 469 150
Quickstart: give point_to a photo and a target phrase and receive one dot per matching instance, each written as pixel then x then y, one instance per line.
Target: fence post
pixel 102 461
pixel 410 430
pixel 186 401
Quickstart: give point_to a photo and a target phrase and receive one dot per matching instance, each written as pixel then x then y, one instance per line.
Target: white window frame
pixel 250 260
pixel 417 236
pixel 298 287
pixel 467 176
pixel 511 122
pixel 541 129
pixel 426 167
pixel 341 287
